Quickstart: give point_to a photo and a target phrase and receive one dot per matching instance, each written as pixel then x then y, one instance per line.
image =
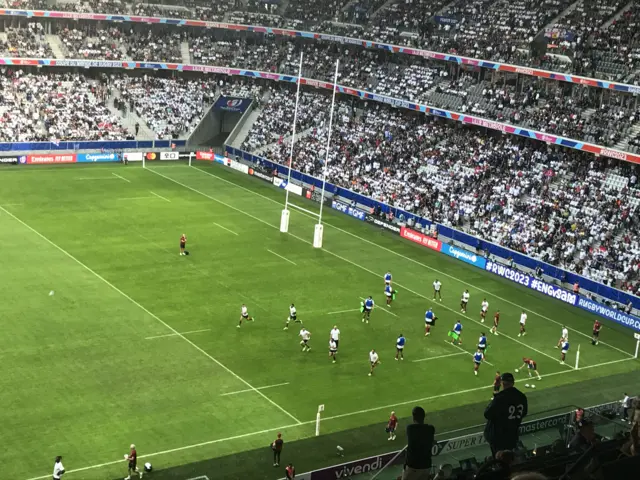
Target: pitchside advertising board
pixel 444 447
pixel 349 210
pixel 232 104
pixel 47 159
pixel 293 188
pixel 9 160
pixel 379 222
pixel 97 157
pixel 256 172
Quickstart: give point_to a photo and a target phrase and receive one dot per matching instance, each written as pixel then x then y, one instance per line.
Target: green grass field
pixel 138 344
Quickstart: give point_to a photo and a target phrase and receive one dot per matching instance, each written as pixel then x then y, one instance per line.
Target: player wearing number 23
pixel 504 415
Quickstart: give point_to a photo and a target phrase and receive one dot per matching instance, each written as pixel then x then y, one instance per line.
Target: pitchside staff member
pixel 504 415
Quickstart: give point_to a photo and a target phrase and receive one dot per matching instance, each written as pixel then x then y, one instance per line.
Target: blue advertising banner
pixel 464 255
pixel 344 208
pixel 532 282
pixel 232 104
pixel 612 314
pixel 97 157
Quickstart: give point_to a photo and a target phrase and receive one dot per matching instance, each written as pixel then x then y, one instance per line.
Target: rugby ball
pixel 51 293
pixel 148 467
pixel 516 370
pixel 533 386
pixel 126 456
pixel 526 385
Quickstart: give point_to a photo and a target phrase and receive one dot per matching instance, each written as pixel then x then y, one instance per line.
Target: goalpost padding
pixel 284 221
pixel 318 233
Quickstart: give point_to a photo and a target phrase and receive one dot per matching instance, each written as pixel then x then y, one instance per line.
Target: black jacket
pixel 504 415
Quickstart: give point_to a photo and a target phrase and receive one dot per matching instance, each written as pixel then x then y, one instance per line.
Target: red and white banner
pixel 205 155
pixel 51 158
pixel 421 238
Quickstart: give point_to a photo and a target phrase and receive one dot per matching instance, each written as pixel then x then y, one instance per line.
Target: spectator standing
pixel 290 471
pixel 137 127
pixel 626 404
pixel 276 446
pixel 58 468
pixel 420 438
pixel 504 415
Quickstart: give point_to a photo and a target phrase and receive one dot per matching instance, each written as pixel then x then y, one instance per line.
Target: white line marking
pixel 175 334
pixel 160 196
pixel 121 178
pixel 343 259
pixel 344 311
pixel 201 477
pixel 86 179
pixel 153 315
pixel 310 422
pixel 462 350
pixel 222 227
pixel 258 388
pixel 284 258
pixel 439 356
pixel 293 205
pixel 380 308
pixel 416 262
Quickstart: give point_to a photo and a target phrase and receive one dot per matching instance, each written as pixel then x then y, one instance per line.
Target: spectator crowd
pixel 560 206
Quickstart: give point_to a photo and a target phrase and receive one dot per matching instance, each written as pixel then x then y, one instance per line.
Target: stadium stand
pixel 559 206
pixel 171 107
pixel 55 107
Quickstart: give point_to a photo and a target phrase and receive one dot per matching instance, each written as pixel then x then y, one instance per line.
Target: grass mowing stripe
pixel 100 277
pixel 416 262
pixel 344 259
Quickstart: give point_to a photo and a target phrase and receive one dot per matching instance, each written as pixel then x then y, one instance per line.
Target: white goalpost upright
pixel 577 356
pixel 637 337
pixel 284 218
pixel 318 232
pixel 286 214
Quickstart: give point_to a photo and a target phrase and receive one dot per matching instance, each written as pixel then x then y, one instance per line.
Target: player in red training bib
pixel 531 366
pixel 391 426
pixel 596 333
pixel 132 458
pixel 183 243
pixel 496 321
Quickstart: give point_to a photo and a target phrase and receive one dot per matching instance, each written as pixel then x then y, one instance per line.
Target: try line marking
pixel 160 196
pixel 439 356
pixel 344 311
pixel 402 256
pixel 324 419
pixel 283 258
pixel 153 315
pixel 343 259
pixel 259 388
pixel 176 334
pixel 225 228
pixel 121 178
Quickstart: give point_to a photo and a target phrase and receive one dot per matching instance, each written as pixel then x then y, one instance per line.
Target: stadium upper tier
pixel 609 118
pixel 594 38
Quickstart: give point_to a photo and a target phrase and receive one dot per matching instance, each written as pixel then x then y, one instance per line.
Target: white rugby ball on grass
pixel 516 370
pixel 51 293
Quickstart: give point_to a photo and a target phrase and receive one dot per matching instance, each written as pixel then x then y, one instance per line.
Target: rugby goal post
pixel 318 231
pixel 637 337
